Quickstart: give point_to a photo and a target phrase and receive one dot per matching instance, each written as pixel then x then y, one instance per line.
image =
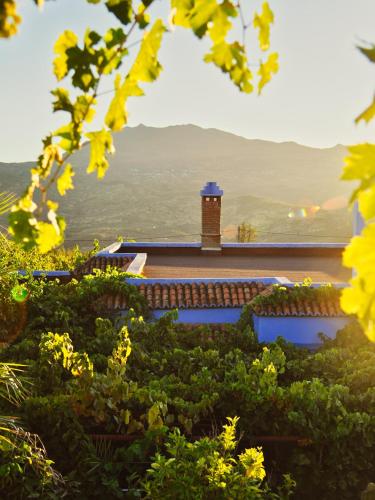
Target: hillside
pixel 152 187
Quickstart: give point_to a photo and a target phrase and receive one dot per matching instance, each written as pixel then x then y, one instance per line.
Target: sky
pixel 323 82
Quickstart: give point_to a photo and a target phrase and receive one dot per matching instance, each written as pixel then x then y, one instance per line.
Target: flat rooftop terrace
pixel 295 268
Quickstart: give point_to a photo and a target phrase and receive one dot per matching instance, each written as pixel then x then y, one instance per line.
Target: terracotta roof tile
pixel 102 263
pixel 195 295
pixel 318 306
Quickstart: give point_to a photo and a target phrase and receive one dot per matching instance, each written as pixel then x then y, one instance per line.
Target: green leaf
pixel 66 40
pixel 262 22
pixel 70 137
pixel 101 143
pixel 62 102
pixel 153 417
pixel 65 181
pixel 142 18
pixel 369 52
pixel 267 69
pixel 122 9
pixel 113 37
pixel 22 226
pixel 90 39
pixel 83 109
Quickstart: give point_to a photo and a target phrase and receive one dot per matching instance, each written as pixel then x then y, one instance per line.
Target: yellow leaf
pixel 70 136
pixel 368 114
pixel 360 163
pixel 48 237
pixel 350 300
pixel 201 15
pixel 65 182
pixel 359 253
pixel 181 11
pixel 220 26
pixel 46 160
pixel 262 22
pixel 366 200
pixel 231 58
pixel 65 41
pixel 267 69
pixel 116 116
pixel 101 143
pixel 146 67
pixel 82 109
pixel 9 18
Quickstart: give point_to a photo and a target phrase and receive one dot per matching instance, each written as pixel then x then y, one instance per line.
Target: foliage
pixel 26 472
pixel 281 295
pixel 206 468
pixel 94 372
pixel 6 201
pixel 360 253
pixel 13 305
pixel 245 233
pixel 24 466
pixel 34 219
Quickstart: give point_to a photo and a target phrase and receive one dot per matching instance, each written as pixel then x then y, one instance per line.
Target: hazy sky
pixel 323 82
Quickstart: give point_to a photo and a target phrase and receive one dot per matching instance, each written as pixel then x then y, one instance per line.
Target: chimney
pixel 211 213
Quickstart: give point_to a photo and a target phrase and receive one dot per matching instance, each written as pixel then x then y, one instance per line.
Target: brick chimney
pixel 211 213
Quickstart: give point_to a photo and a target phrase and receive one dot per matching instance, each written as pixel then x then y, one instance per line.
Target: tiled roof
pixel 319 306
pixel 193 295
pixel 102 263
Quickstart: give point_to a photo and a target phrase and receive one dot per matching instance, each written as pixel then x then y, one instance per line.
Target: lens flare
pixel 303 212
pixel 335 203
pixel 19 293
pixel 313 210
pixel 297 213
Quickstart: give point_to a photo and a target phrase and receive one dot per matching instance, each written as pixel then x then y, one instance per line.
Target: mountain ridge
pixel 152 186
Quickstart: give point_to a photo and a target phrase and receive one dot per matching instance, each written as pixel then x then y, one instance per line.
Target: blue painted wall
pixel 214 315
pixel 300 331
pixel 169 281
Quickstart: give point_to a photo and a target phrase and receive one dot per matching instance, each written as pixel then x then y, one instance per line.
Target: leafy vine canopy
pixel 34 220
pixel 359 299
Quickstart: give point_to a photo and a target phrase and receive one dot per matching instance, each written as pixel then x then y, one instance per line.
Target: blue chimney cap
pixel 211 189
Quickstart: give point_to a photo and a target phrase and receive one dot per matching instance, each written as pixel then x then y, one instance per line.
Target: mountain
pixel 151 190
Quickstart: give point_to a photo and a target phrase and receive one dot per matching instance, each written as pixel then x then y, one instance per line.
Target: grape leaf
pixel 65 181
pixel 101 143
pixel 368 114
pixel 267 69
pixel 66 40
pixel 262 22
pixel 369 52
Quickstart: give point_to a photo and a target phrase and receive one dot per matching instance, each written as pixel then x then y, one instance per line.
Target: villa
pixel 210 282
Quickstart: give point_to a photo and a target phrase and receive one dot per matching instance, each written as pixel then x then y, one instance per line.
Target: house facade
pixel 210 282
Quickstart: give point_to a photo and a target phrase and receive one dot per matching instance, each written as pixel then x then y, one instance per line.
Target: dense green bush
pixel 209 469
pixel 154 382
pixel 13 314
